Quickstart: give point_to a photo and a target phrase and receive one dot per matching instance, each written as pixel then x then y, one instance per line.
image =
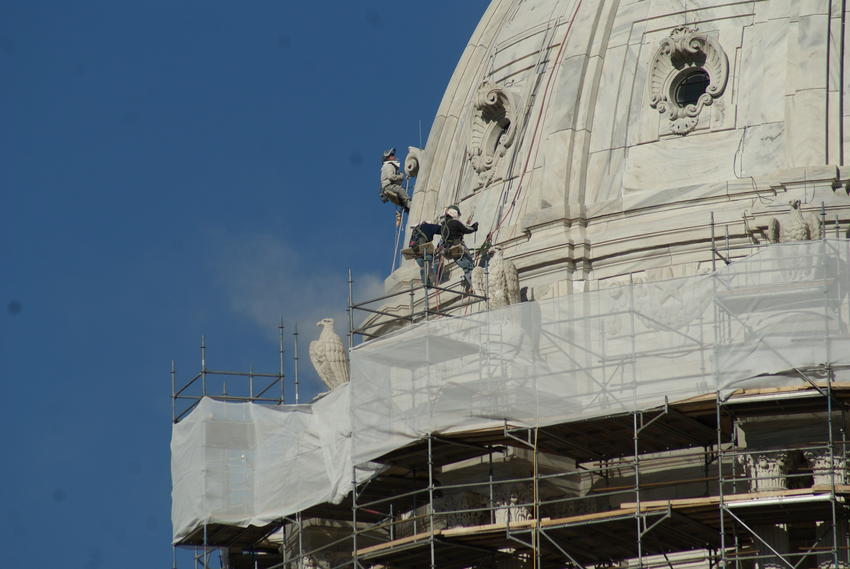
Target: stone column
pixel 777 536
pixel 826 560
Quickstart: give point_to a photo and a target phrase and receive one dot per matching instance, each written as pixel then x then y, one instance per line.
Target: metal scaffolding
pixel 598 491
pixel 414 529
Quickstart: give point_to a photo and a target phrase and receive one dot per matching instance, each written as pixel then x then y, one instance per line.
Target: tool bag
pixel 454 252
pixel 417 251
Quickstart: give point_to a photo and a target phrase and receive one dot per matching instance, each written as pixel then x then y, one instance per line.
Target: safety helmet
pixel 453 211
pixel 389 152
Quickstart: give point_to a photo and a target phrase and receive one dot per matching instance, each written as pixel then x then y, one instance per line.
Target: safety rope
pixel 399 217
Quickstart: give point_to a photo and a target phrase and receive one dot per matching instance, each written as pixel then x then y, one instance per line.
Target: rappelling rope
pixel 399 218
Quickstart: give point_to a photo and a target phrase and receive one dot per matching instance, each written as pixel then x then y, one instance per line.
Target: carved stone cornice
pixel 494 124
pixel 681 54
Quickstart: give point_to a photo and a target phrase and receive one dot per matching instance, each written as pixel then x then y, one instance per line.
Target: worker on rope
pixel 454 248
pixel 420 239
pixel 391 178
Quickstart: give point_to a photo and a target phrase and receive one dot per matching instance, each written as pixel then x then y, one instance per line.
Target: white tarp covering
pixel 245 464
pixel 535 363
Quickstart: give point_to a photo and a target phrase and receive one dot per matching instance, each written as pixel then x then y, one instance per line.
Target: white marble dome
pixel 594 140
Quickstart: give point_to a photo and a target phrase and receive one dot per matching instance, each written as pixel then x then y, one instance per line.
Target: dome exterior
pixel 595 141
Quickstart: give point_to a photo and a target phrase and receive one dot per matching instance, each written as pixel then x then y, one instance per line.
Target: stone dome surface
pixel 595 140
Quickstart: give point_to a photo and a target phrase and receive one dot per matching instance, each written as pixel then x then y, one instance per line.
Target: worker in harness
pixel 391 178
pixel 454 248
pixel 420 238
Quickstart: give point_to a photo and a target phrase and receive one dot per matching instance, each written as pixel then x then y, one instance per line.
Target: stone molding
pixel 494 124
pixel 679 55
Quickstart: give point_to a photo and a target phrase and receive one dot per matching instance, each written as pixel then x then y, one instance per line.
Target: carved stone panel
pixel 495 112
pixel 687 73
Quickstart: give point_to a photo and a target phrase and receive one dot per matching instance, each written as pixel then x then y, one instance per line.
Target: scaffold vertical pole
pixel 832 470
pixel 486 291
pixel 295 362
pixel 490 504
pixel 350 311
pixel 431 501
pixel 713 246
pixel 300 540
pixel 720 483
pixel 203 366
pixel 637 489
pixel 354 561
pixel 173 392
pixel 204 553
pixel 281 351
pixel 427 264
pixel 536 488
pixel 843 464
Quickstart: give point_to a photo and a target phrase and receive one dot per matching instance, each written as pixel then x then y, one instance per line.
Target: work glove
pixel 474 226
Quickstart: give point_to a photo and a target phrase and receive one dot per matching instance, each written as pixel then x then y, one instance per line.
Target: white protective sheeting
pixel 535 363
pixel 245 464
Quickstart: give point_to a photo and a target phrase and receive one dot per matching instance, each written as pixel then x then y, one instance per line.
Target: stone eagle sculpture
pixel 501 284
pixel 329 356
pixel 794 226
pixel 503 280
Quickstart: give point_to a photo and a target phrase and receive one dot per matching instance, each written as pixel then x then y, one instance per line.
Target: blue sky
pixel 173 169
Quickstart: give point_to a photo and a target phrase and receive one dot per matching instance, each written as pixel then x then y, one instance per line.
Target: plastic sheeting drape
pixel 535 363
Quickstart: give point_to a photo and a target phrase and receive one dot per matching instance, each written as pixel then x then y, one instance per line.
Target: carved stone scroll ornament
pixel 679 56
pixel 494 124
pixel 411 161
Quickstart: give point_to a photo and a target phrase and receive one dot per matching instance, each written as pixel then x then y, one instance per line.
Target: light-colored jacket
pixel 391 173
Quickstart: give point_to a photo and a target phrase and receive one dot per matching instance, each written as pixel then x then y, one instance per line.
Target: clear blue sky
pixel 172 169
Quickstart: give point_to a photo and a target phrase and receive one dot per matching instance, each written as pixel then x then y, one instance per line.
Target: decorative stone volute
pixel 494 125
pixel 685 53
pixel 411 161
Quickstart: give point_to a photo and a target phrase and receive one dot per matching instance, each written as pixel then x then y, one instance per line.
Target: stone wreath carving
pixel 494 125
pixel 683 54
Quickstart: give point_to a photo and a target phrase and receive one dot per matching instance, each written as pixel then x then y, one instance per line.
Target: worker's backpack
pixel 417 237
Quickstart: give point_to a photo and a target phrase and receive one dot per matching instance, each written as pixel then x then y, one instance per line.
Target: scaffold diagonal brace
pixel 758 537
